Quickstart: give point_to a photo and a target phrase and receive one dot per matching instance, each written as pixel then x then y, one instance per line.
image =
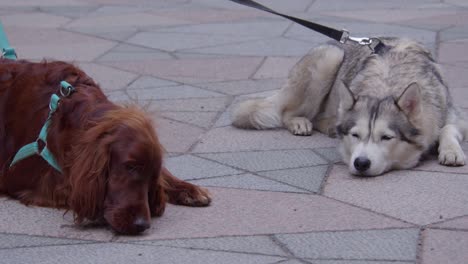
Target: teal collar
pixel 6 51
pixel 34 148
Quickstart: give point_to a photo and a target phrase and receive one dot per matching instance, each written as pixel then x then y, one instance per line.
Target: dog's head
pixel 379 134
pixel 115 173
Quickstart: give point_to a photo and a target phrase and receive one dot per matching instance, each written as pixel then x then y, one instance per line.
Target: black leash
pixel 339 35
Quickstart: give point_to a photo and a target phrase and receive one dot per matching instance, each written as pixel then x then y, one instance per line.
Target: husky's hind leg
pixel 309 83
pixel 299 100
pixel 451 135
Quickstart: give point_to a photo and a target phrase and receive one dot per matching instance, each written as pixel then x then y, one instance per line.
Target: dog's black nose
pixel 141 224
pixel 362 164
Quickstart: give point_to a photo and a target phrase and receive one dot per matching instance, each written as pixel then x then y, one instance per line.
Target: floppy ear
pixel 410 100
pixel 347 99
pixel 88 175
pixel 157 197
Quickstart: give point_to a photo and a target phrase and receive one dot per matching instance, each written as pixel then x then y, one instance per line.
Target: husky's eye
pixel 385 137
pixel 355 135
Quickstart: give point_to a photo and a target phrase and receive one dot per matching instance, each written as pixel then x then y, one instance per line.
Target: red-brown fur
pixel 110 155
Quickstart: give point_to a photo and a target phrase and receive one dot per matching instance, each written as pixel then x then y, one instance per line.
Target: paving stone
pixel 42 3
pixel 261 28
pixel 443 246
pixel 229 139
pixel 196 70
pixel 124 52
pixel 438 21
pixel 150 82
pixel 460 96
pixel 363 4
pixel 305 178
pixel 110 32
pixel 120 97
pixel 457 223
pixel 244 86
pixel 457 78
pixel 267 160
pixel 123 20
pixel 392 244
pixel 121 253
pixel 171 92
pixel 34 20
pixel 331 154
pixel 192 104
pixel 247 181
pixel 393 15
pixel 69 10
pixel 200 119
pixel 454 33
pixel 189 167
pixel 236 212
pixel 432 164
pixel 176 136
pixel 276 67
pixel 209 15
pixel 183 41
pixel 267 47
pixel 37 221
pixel 109 79
pixel 358 262
pixel 417 197
pixel 36 44
pixel 246 244
pixel 453 51
pixel 8 241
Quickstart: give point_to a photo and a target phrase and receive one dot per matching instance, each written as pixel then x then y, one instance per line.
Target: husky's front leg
pixel 309 83
pixel 450 151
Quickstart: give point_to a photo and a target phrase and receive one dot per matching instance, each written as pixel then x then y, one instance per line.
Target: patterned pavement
pixel 278 198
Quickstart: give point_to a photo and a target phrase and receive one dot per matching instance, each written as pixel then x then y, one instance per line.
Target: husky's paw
pixel 299 126
pixel 453 156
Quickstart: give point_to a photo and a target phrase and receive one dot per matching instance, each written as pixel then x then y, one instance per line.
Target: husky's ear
pixel 410 100
pixel 347 99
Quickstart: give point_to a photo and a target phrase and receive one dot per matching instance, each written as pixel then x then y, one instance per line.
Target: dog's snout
pixel 362 164
pixel 141 224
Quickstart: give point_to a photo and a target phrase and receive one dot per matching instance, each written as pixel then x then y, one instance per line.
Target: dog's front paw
pixel 300 126
pixel 196 196
pixel 452 156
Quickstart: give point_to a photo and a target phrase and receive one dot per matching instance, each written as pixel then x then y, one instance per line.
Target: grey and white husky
pixel 389 107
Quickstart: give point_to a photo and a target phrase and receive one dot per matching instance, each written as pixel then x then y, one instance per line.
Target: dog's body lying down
pixel 110 155
pixel 388 107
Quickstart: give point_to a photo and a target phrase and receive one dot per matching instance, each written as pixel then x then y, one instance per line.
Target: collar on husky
pixel 374 44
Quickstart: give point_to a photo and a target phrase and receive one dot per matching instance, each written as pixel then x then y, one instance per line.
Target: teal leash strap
pixel 33 148
pixel 7 51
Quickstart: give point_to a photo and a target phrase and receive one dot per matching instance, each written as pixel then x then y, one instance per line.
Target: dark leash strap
pixel 339 35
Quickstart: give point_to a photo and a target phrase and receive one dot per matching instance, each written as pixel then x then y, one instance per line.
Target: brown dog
pixel 110 156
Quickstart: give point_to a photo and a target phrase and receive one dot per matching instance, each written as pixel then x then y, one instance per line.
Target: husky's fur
pixel 389 108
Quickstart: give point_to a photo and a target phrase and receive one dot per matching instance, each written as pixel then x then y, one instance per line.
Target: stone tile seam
pixel 281 245
pixel 261 150
pixel 51 237
pixel 260 190
pixel 369 210
pixel 259 66
pixel 445 220
pixel 183 122
pixel 199 249
pixel 420 245
pixel 325 179
pixel 454 229
pixel 438 171
pixel 54 245
pixel 259 171
pixel 93 8
pixel 271 234
pixel 217 45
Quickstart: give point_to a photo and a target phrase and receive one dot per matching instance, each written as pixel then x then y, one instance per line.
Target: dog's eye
pixel 385 137
pixel 355 135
